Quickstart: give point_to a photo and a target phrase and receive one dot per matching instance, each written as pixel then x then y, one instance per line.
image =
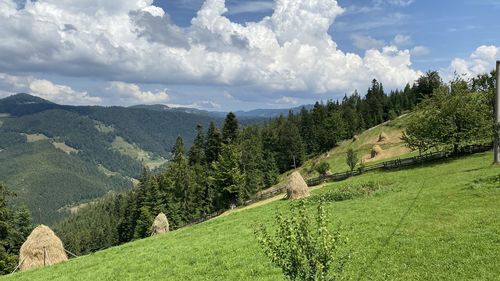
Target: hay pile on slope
pixel 376 150
pixel 160 225
pixel 296 187
pixel 382 137
pixel 41 248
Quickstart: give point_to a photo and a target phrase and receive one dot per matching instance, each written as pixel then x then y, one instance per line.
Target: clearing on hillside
pixel 135 152
pixel 64 147
pixel 35 137
pixel 432 222
pixel 362 144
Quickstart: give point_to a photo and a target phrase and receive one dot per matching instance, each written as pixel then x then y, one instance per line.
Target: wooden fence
pixel 401 163
pixel 387 165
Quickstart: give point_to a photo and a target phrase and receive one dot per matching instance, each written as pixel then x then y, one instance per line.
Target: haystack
pixel 376 150
pixel 355 138
pixel 296 187
pixel 382 137
pixel 41 248
pixel 160 225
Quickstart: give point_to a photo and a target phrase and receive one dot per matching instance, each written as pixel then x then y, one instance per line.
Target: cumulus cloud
pixel 366 42
pixel 284 100
pixel 420 51
pixel 46 89
pixel 482 60
pixel 402 40
pixel 132 93
pixel 135 42
pixel 251 7
pixel 205 104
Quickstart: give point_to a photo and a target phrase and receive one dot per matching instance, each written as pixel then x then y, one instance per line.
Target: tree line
pixel 228 165
pixel 15 226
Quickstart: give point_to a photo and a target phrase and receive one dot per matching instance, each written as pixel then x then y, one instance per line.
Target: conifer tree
pixel 181 179
pixel 228 177
pixel 213 144
pixel 197 151
pixel 230 129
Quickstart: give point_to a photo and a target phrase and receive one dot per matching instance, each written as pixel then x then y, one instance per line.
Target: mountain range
pixel 58 157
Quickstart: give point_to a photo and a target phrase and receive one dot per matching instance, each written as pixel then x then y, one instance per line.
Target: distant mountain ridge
pixel 255 113
pixel 82 152
pixel 104 148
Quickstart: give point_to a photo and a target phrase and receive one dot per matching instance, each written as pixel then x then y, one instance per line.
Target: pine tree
pixel 181 179
pixel 197 151
pixel 228 178
pixel 144 222
pixel 252 160
pixel 213 144
pixel 290 149
pixel 230 129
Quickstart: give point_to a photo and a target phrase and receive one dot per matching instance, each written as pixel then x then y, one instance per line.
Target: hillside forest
pixel 227 165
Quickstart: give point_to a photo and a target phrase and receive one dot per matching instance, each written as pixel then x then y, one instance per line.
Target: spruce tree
pixel 181 179
pixel 230 129
pixel 197 151
pixel 228 178
pixel 213 144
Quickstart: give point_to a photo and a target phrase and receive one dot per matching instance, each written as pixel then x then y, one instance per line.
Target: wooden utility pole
pixel 497 116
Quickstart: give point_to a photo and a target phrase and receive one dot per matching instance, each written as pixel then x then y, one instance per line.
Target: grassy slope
pixel 438 222
pixel 393 148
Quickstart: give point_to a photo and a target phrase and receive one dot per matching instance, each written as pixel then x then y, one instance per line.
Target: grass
pixel 393 148
pixel 434 222
pixel 36 137
pixel 135 152
pixel 64 147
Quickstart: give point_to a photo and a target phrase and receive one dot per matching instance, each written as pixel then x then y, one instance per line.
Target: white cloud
pixel 133 41
pixel 420 51
pixel 481 61
pixel 366 42
pixel 46 89
pixel 205 104
pixel 401 3
pixel 401 40
pixel 251 7
pixel 286 101
pixel 132 93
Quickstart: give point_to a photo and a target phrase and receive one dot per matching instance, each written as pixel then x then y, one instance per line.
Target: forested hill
pixel 56 157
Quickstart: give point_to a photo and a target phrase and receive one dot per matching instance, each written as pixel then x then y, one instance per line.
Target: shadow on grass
pixel 391 235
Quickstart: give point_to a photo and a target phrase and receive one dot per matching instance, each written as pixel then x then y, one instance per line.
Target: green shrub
pixel 323 168
pixel 303 248
pixel 350 192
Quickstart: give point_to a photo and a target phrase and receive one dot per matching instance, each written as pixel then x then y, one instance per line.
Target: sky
pixel 235 54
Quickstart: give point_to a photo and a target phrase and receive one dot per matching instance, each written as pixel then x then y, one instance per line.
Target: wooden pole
pixel 497 116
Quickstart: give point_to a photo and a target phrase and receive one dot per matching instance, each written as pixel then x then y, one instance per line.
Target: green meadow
pixel 434 222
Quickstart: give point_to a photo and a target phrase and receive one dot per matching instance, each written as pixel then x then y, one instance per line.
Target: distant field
pixel 433 222
pixel 393 148
pixel 65 148
pixel 137 153
pixel 36 137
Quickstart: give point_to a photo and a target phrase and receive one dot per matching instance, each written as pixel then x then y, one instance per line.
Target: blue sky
pixel 235 54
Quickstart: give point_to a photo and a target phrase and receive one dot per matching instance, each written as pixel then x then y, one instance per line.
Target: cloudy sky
pixel 236 54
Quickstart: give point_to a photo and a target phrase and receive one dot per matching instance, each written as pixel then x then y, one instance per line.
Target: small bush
pixel 304 249
pixel 351 192
pixel 351 159
pixel 323 168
